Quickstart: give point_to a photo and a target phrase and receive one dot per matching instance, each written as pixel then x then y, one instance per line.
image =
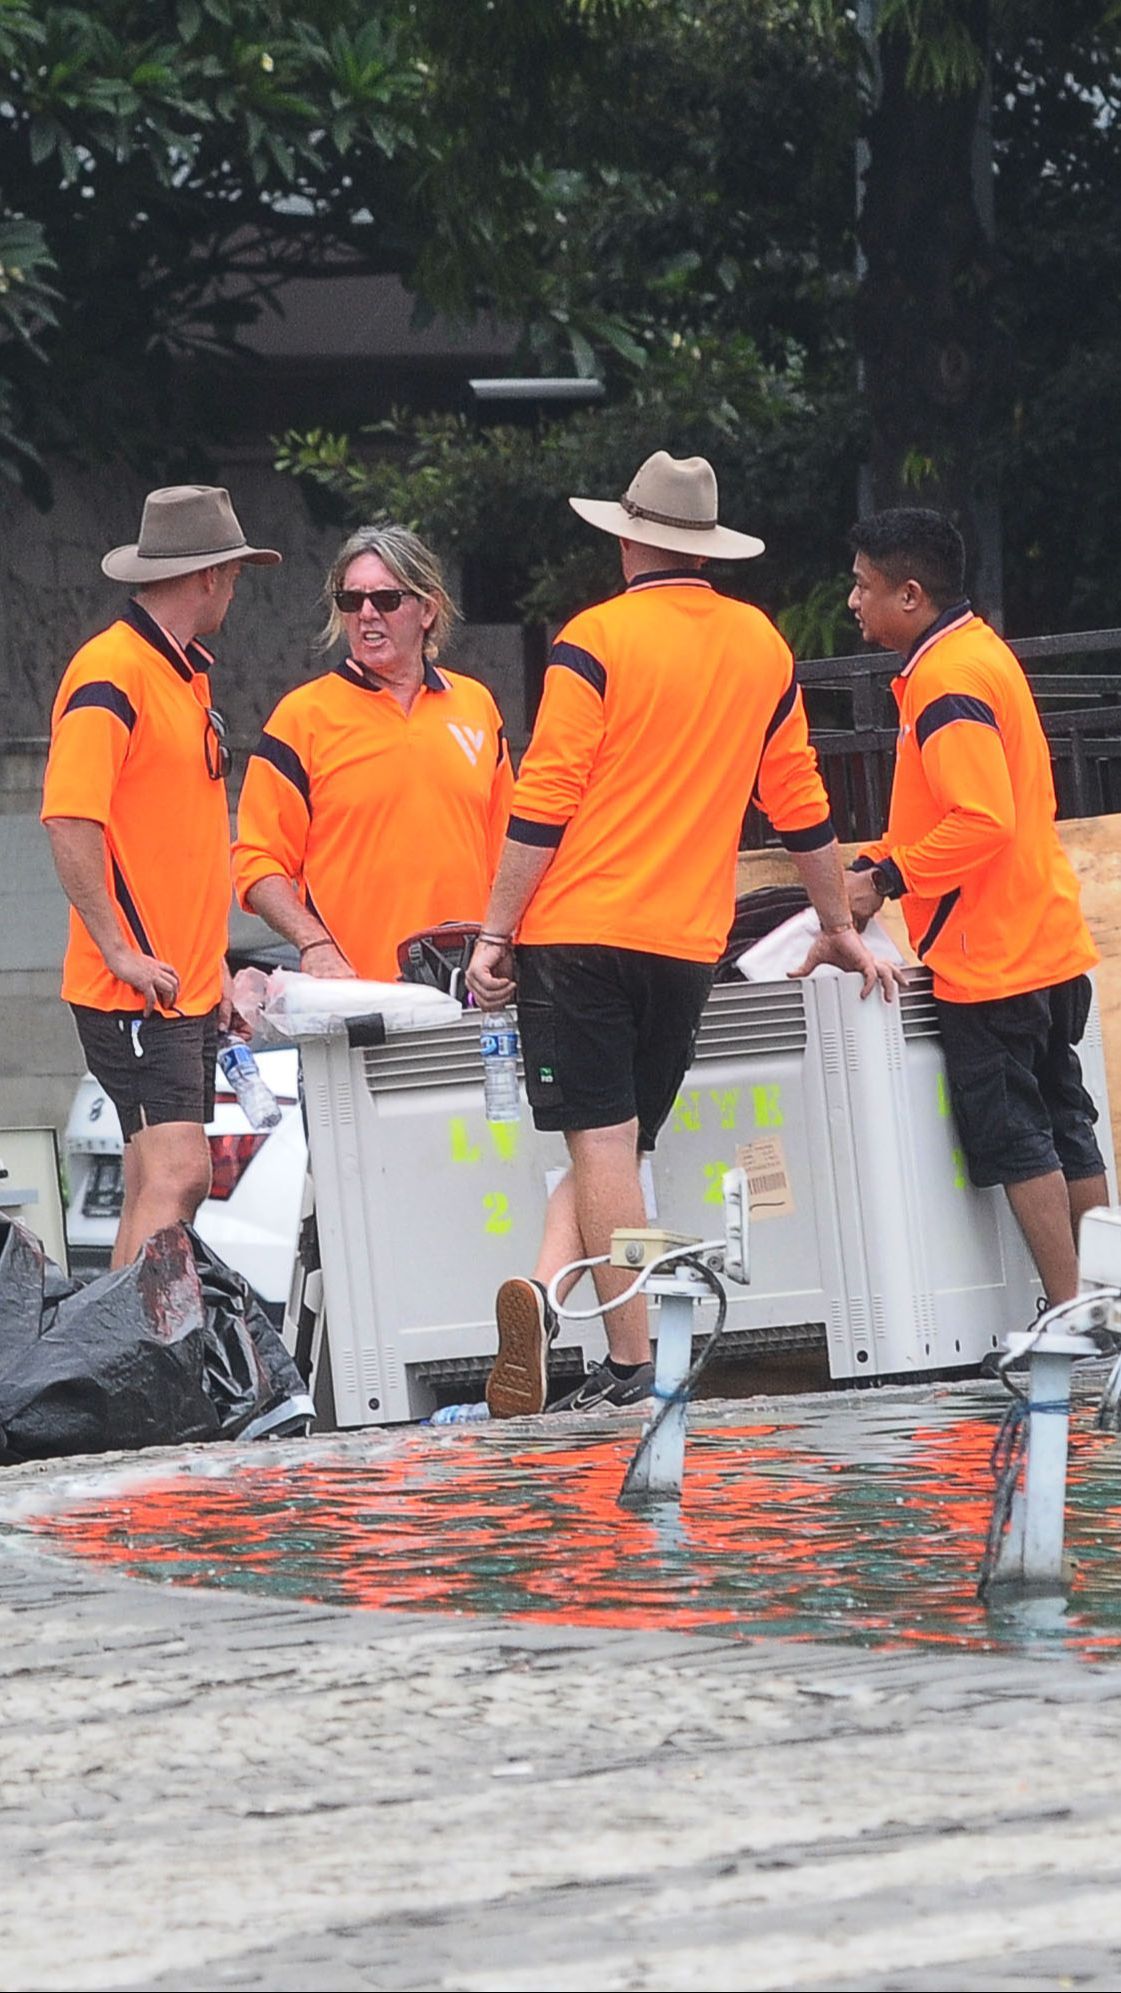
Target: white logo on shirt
pixel 470 740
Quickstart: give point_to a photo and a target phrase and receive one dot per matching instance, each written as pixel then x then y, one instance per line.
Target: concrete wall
pixel 53 596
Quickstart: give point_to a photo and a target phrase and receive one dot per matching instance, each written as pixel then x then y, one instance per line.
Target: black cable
pixel 683 1391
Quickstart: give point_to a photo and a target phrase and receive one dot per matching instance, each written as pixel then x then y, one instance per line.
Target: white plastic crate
pixel 863 1220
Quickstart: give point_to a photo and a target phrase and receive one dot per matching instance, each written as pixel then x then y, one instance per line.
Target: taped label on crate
pixel 768 1183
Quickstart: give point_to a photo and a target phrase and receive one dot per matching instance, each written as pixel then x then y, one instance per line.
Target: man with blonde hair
pixel 665 711
pixel 135 806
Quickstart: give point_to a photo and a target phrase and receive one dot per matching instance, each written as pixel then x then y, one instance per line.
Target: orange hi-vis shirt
pixel 129 748
pixel 988 894
pixel 665 710
pixel 384 822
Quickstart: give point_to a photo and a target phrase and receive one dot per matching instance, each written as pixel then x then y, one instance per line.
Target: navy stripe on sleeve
pixel 782 711
pixel 815 838
pixel 99 692
pixel 547 835
pixel 582 663
pixel 131 913
pixel 286 762
pixel 942 913
pixel 950 707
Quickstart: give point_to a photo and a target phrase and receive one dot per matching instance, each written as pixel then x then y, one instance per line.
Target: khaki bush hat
pixel 184 527
pixel 670 502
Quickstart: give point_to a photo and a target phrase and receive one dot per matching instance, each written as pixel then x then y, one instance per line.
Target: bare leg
pixel 1043 1212
pixel 167 1175
pixel 608 1193
pixel 561 1242
pixel 1085 1194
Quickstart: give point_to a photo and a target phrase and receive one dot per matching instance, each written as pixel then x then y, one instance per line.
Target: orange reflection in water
pixel 862 1522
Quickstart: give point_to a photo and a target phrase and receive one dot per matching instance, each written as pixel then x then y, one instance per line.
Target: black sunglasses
pixel 219 760
pixel 385 600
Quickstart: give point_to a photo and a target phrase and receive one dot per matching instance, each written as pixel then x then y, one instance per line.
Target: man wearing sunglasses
pixel 135 806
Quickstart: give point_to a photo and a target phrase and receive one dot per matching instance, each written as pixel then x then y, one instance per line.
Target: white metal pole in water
pixel 1031 1552
pixel 1045 1476
pixel 659 1463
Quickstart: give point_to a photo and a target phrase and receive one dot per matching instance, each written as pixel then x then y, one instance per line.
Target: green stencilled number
pixel 725 1105
pixel 767 1104
pixel 504 1139
pixel 961 1181
pixel 497 1204
pixel 464 1150
pixel 944 1107
pixel 714 1177
pixel 687 1113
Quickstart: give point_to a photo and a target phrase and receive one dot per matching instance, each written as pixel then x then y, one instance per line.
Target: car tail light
pixel 230 1157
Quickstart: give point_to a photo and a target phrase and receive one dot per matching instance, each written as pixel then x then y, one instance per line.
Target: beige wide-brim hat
pixel 184 527
pixel 670 502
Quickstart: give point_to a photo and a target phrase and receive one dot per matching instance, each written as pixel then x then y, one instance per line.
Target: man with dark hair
pixel 988 894
pixel 664 710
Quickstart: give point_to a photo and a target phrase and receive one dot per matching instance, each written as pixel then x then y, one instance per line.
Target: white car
pixel 252 1216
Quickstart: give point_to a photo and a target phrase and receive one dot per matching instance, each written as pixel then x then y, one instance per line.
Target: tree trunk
pixel 925 329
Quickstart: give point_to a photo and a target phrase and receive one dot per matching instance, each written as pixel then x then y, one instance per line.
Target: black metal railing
pixel 853 725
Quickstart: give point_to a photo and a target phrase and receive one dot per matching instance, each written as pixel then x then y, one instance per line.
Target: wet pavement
pixel 225 1788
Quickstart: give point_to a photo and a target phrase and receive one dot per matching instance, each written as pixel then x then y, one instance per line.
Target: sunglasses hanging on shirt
pixel 218 757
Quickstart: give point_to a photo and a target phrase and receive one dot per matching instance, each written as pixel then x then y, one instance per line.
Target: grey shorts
pixel 154 1069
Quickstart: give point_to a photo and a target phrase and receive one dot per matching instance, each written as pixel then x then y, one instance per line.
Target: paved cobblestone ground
pixel 199 1789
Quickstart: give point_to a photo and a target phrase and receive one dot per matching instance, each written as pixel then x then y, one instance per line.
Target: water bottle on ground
pixel 498 1042
pixel 459 1415
pixel 256 1099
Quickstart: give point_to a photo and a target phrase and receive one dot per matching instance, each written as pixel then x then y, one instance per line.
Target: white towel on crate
pixel 316 1006
pixel 786 948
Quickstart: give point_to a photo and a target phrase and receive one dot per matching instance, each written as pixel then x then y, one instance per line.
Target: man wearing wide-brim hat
pixel 665 711
pixel 135 805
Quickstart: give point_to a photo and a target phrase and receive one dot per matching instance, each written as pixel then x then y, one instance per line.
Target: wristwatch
pixel 888 880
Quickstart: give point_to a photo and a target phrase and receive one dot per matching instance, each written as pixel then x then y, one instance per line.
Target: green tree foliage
pixel 691 242
pixel 166 164
pixel 498 496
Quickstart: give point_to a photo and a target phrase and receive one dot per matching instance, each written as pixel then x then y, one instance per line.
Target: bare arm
pixel 78 850
pixel 277 901
pixel 839 943
pixel 520 871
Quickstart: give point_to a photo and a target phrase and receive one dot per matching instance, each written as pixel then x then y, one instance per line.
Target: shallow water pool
pixel 854 1517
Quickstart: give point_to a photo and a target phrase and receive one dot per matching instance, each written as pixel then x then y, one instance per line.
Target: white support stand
pixel 659 1462
pixel 1031 1552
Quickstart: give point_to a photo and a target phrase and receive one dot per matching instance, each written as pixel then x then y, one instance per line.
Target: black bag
pixel 175 1347
pixel 757 914
pixel 439 956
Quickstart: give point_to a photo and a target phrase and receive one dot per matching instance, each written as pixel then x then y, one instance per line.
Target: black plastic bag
pixel 175 1347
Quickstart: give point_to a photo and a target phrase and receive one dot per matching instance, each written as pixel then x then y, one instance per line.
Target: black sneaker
pixel 518 1383
pixel 603 1391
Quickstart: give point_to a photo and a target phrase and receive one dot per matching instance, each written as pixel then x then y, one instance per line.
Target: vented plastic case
pixel 865 1230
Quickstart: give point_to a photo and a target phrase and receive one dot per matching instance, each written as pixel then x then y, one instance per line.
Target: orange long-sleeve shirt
pixel 131 749
pixel 385 822
pixel 665 710
pixel 990 901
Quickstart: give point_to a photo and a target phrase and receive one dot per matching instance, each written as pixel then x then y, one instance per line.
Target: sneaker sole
pixel 517 1386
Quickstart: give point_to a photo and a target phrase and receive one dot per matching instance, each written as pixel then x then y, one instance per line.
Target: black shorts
pixel 154 1068
pixel 1016 1084
pixel 607 1034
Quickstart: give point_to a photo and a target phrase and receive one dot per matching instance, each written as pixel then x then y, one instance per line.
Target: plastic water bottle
pixel 256 1099
pixel 498 1042
pixel 459 1415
